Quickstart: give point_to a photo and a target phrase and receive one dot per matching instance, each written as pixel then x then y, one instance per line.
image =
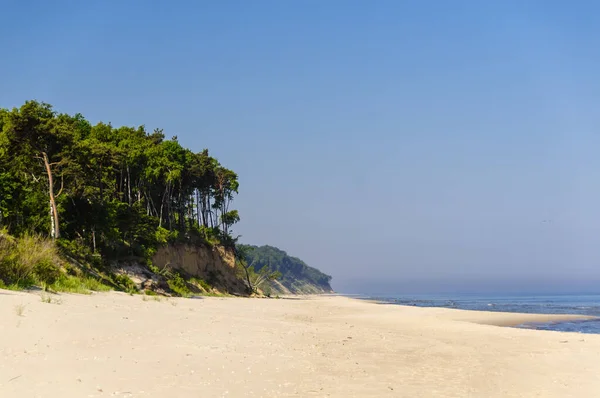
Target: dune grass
pixel 49 299
pixel 77 284
pixel 32 260
pixel 20 309
pixel 28 260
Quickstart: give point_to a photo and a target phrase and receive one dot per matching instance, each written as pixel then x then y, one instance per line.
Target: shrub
pixel 28 260
pixel 178 285
pixel 74 249
pixel 267 291
pixel 124 283
pixel 164 236
pixel 162 272
pixel 46 272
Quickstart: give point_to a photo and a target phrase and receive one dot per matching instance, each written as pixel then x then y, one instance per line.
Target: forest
pixel 105 190
pixel 295 276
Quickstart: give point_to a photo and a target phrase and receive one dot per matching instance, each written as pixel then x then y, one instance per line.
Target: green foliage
pixel 164 272
pixel 178 285
pixel 28 260
pixel 162 235
pixel 296 276
pixel 46 272
pixel 267 290
pixel 77 284
pixel 33 260
pixel 202 283
pixel 253 279
pixel 124 283
pixel 119 191
pixel 209 235
pixel 115 192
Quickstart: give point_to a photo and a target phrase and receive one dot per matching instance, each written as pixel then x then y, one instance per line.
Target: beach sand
pixel 116 345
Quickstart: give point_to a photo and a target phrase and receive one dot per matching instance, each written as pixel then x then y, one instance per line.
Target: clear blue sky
pixel 397 145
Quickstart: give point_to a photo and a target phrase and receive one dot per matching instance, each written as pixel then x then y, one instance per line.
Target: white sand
pixel 115 345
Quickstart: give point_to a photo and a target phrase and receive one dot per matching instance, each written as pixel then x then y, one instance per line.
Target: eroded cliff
pixel 215 265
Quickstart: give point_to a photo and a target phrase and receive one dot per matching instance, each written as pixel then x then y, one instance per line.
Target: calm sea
pixel 562 304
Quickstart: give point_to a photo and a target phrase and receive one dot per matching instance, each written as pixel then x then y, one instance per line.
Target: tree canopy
pixel 114 190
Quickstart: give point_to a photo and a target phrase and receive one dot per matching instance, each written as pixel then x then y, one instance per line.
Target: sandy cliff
pixel 216 265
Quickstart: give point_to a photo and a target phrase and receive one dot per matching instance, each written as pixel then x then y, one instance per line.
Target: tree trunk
pixel 162 205
pixel 210 214
pixel 101 185
pixel 55 233
pixel 128 185
pixel 250 287
pixel 203 209
pixel 52 222
pixel 160 217
pixel 120 187
pixel 180 209
pixel 168 206
pixel 197 208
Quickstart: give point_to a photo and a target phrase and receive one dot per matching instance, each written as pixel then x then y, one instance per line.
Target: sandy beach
pixel 116 345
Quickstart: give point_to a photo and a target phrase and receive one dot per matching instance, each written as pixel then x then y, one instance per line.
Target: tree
pixel 254 280
pixel 112 189
pixel 34 132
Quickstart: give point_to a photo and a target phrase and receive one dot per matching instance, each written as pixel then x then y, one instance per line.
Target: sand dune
pixel 116 345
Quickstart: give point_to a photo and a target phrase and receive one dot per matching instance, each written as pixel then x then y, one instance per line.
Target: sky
pixel 399 146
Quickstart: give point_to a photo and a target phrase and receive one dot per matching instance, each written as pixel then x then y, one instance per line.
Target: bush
pixel 267 291
pixel 28 260
pixel 46 272
pixel 204 235
pixel 164 236
pixel 124 283
pixel 178 285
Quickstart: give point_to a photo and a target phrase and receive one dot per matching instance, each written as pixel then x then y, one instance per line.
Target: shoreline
pixel 113 344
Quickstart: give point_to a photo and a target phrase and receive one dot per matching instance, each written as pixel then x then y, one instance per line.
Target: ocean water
pixel 560 304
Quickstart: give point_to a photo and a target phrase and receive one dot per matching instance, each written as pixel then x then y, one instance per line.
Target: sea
pixel 534 304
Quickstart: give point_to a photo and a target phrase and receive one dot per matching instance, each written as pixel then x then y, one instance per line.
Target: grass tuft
pixel 20 309
pixel 48 299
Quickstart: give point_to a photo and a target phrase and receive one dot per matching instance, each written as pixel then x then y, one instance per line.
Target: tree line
pixel 114 190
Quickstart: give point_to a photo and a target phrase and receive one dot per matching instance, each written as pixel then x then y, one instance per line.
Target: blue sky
pixel 397 145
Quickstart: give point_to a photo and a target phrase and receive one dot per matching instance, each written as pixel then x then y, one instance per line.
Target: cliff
pixel 215 265
pixel 296 276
